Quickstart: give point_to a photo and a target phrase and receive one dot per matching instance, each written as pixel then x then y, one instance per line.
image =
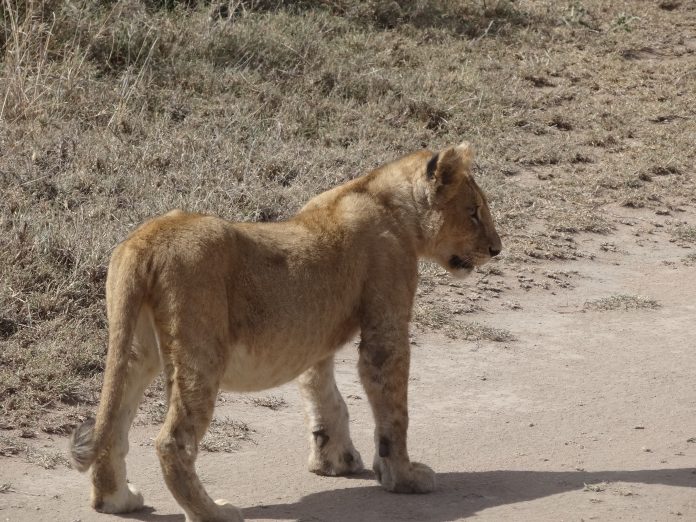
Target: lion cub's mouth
pixel 458 263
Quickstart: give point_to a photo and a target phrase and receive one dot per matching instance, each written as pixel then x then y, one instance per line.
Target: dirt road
pixel 587 415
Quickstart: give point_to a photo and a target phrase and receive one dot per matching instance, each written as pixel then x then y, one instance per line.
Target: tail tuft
pixel 82 451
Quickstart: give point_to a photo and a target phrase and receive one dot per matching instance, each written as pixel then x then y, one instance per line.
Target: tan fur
pixel 243 306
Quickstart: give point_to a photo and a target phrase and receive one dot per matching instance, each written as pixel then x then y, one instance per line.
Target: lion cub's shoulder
pixel 390 179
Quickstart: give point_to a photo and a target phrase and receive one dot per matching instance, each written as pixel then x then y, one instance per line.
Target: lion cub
pixel 249 306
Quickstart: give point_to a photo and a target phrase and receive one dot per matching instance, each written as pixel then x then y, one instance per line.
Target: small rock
pixel 595 488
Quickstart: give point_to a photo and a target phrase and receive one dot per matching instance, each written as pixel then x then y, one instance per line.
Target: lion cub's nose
pixel 493 251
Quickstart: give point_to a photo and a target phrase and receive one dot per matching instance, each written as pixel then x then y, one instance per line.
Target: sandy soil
pixel 586 415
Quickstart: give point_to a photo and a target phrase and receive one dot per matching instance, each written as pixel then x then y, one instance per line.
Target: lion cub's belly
pixel 254 369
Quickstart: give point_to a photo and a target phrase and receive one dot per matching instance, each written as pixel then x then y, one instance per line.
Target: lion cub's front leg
pixel 331 450
pixel 384 365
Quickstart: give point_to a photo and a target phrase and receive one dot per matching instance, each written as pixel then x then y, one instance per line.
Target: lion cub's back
pixel 175 252
pixel 176 229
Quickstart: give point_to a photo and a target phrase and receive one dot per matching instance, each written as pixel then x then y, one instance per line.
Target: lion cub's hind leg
pixel 111 493
pixel 192 392
pixel 331 450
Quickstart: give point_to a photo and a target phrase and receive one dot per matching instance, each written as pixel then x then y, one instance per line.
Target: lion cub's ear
pixel 450 165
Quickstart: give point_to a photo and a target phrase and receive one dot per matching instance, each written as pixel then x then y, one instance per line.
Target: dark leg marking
pixel 348 457
pixel 384 447
pixel 376 356
pixel 320 438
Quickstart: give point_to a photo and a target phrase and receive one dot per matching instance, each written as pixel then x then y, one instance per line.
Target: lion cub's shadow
pixel 459 495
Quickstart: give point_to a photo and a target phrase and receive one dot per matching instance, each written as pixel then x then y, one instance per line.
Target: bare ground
pixel 586 415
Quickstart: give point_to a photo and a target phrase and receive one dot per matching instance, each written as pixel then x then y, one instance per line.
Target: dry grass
pixel 115 111
pixel 622 302
pixel 442 318
pixel 46 459
pixel 11 446
pixel 272 402
pixel 690 259
pixel 226 435
pixel 152 411
pixel 596 488
pixel 685 233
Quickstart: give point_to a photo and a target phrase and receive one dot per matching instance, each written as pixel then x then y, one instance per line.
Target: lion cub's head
pixel 462 231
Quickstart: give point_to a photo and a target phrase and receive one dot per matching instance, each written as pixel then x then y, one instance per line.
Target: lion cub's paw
pixel 415 478
pixel 125 500
pixel 224 512
pixel 227 512
pixel 336 463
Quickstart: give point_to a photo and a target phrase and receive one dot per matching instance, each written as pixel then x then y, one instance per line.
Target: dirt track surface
pixel 587 415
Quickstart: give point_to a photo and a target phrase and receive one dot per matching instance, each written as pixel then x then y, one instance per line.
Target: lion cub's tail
pixel 82 452
pixel 126 285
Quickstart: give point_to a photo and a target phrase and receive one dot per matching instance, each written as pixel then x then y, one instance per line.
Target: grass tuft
pixel 225 435
pixel 10 447
pixel 596 488
pixel 272 402
pixel 622 302
pixel 690 259
pixel 442 319
pixel 686 233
